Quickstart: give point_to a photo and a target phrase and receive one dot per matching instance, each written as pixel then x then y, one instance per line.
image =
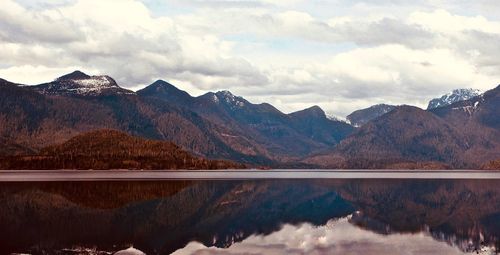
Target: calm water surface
pixel 280 216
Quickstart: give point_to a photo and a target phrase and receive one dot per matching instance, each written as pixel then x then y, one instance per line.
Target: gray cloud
pixel 242 46
pixel 387 30
pixel 486 45
pixel 17 25
pixel 221 3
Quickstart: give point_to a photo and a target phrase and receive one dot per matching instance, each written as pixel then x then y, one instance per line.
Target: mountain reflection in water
pixel 266 216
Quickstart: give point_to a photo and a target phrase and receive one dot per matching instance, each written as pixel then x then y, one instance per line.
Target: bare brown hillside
pixel 110 149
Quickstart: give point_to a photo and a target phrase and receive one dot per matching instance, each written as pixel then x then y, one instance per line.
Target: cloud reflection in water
pixel 336 237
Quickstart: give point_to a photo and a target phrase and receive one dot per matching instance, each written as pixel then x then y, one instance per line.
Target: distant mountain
pixel 314 123
pixel 265 129
pixel 215 125
pixel 452 97
pixel 221 125
pixel 109 149
pixel 35 120
pixel 78 83
pixel 465 134
pixel 405 134
pixel 360 117
pixel 164 90
pixel 478 119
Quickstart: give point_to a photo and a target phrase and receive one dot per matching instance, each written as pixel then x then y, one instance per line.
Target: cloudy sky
pixel 339 54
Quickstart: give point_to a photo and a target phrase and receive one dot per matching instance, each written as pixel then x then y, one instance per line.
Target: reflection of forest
pixel 160 217
pixel 463 212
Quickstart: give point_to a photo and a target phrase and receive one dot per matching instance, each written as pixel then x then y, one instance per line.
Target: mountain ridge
pixel 221 125
pixel 111 149
pixel 274 132
pixel 362 116
pixel 227 128
pixel 454 96
pixel 464 134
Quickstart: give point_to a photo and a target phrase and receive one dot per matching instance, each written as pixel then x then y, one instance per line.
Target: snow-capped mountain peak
pixel 229 98
pixel 452 97
pixel 80 83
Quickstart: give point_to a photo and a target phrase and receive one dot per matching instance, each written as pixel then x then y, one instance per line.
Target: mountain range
pixel 464 134
pixel 221 125
pixel 215 125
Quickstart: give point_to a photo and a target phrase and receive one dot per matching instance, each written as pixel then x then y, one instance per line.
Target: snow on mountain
pixel 452 97
pixel 334 117
pixel 215 98
pixel 81 84
pixel 472 106
pixel 94 84
pixel 229 98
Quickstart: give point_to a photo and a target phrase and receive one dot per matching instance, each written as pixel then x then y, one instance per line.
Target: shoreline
pixel 159 175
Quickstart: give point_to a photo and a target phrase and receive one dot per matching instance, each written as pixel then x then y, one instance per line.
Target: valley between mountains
pixel 80 121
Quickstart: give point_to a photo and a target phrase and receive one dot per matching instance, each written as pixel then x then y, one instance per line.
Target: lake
pixel 257 212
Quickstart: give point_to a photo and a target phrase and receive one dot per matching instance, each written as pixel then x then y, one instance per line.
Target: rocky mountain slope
pixel 360 117
pixel 456 95
pixel 266 130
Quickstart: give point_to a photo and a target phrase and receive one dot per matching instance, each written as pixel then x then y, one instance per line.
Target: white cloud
pixel 36 73
pixel 292 54
pixel 445 22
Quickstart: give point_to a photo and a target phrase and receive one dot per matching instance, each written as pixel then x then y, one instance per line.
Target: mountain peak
pixel 162 86
pixel 313 111
pixel 166 91
pixel 75 75
pixel 360 117
pixel 225 93
pixel 161 83
pixel 79 83
pixel 407 108
pixel 86 80
pixel 454 96
pixel 316 108
pixel 230 98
